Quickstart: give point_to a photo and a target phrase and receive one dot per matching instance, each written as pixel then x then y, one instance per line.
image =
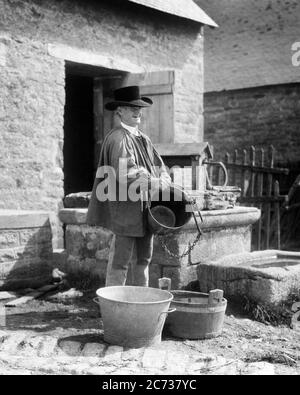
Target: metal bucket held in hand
pixel 168 213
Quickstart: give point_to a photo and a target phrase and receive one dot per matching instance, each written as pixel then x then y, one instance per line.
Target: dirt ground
pixel 242 338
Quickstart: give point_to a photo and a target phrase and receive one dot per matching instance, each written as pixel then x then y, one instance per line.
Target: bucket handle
pixel 220 164
pixel 167 312
pixel 96 300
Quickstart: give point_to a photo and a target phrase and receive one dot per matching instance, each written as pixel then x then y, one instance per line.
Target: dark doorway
pixel 78 134
pixel 87 90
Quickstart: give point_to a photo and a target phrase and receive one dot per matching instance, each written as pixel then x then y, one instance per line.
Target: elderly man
pixel 135 163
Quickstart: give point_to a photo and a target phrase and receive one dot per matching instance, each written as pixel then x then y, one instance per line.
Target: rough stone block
pixel 102 255
pixel 213 243
pixel 11 344
pixel 30 346
pixel 7 255
pixel 71 348
pixel 77 200
pixel 35 235
pixel 9 239
pixel 86 241
pixel 267 277
pixel 180 276
pixel 93 350
pixel 26 252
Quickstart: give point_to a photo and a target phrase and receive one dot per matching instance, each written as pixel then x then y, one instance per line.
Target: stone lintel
pixel 19 219
pixel 78 55
pixel 240 216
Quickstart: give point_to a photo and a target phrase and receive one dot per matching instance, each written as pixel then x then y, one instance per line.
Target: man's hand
pixel 160 184
pixel 143 178
pixel 165 181
pixel 146 182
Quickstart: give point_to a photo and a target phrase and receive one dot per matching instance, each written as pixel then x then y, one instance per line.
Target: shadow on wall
pixel 25 251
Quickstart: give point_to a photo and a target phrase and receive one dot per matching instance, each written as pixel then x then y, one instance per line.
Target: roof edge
pixel 195 12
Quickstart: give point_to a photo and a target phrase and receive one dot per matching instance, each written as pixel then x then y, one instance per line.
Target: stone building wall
pixel 32 94
pixel 253 44
pixel 31 126
pixel 260 116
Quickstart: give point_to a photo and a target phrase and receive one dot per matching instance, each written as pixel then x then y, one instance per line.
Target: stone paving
pixel 51 336
pixel 26 352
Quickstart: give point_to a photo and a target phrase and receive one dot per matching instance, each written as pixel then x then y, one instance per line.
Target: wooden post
pixel 277 214
pixel 260 193
pixel 227 162
pixel 269 194
pixel 243 176
pixel 211 174
pixel 252 186
pixel 252 179
pixel 234 172
pixel 195 172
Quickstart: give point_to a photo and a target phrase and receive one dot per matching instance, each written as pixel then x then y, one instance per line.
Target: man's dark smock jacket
pixel 124 218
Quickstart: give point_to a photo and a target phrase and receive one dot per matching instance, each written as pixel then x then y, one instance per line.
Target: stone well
pixel 224 232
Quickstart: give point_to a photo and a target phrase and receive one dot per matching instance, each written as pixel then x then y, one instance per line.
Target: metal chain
pixel 191 246
pixel 186 253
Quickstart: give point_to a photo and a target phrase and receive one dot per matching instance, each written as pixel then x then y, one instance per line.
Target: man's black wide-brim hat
pixel 128 97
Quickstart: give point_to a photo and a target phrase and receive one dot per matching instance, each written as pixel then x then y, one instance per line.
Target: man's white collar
pixel 131 129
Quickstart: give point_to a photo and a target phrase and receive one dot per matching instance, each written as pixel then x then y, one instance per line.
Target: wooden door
pixel 158 120
pixel 103 120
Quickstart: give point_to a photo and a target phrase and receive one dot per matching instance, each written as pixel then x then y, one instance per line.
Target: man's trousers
pixel 120 256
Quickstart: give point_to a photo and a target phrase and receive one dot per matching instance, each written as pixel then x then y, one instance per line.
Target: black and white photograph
pixel 149 190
